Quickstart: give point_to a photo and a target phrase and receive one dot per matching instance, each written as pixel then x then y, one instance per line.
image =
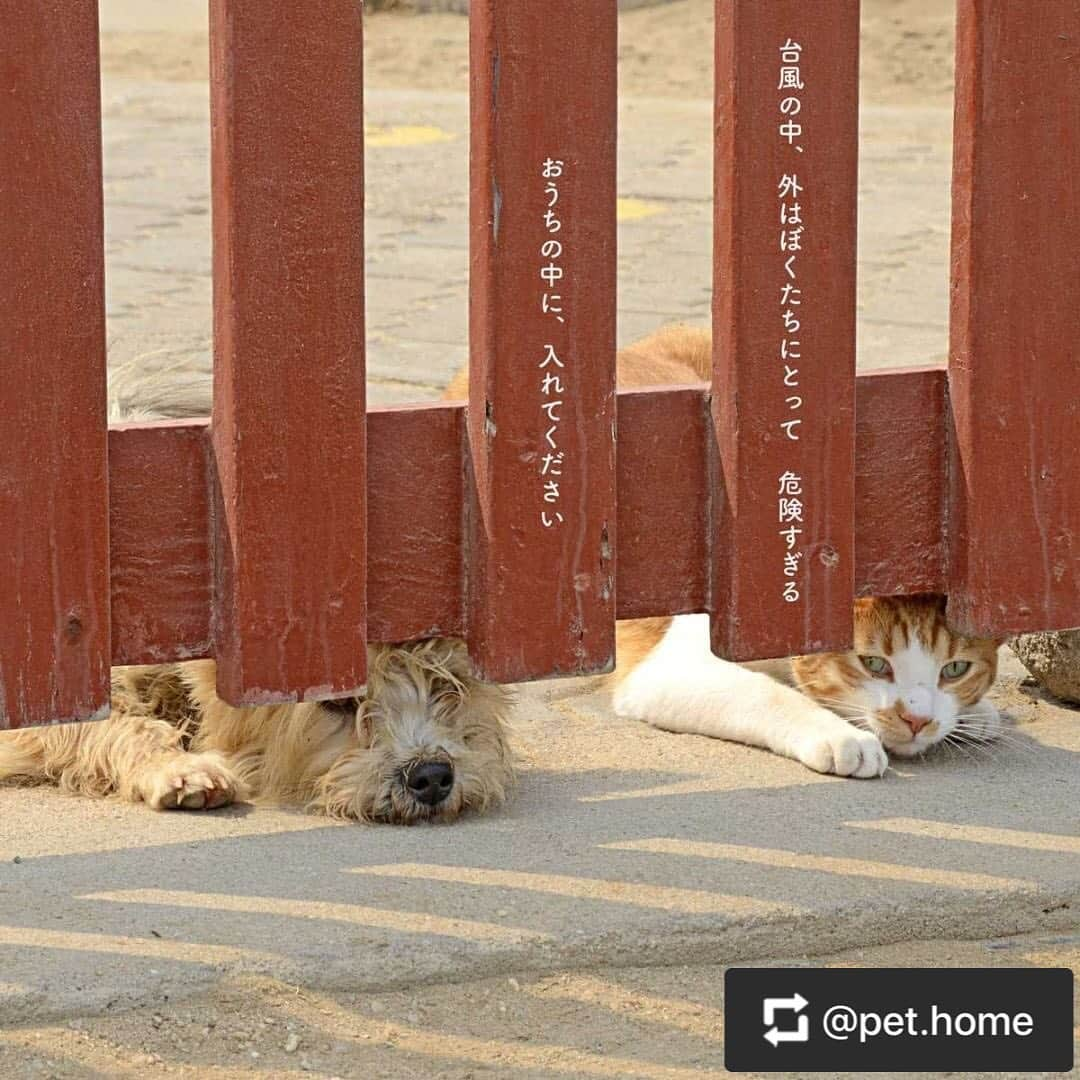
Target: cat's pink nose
pixel 917 723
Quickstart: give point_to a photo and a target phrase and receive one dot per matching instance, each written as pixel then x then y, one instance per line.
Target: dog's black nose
pixel 431 782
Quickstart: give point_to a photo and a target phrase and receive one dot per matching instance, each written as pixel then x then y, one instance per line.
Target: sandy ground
pixel 664 51
pixel 645 1018
pixel 652 1023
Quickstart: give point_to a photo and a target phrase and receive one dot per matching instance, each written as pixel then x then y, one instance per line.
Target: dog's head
pixel 432 739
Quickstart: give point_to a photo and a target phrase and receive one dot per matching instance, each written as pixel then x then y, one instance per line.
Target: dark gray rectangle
pixel 1011 1020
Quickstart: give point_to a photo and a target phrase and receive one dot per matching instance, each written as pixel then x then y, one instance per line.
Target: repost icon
pixel 862 1021
pixel 776 1035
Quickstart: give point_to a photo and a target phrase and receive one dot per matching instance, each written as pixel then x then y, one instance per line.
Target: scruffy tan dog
pixel 428 740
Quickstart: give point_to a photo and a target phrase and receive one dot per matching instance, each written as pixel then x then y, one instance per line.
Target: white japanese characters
pixel 790 515
pixel 790 498
pixel 552 368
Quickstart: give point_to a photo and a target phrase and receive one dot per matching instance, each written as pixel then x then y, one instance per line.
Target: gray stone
pixel 1054 661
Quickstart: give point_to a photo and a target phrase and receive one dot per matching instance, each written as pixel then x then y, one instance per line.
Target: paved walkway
pixel 159 242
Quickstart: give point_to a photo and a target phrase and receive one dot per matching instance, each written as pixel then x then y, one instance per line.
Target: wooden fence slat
pixel 415 523
pixel 664 499
pixel 784 325
pixel 900 482
pixel 288 419
pixel 1014 370
pixel 165 553
pixel 54 543
pixel 542 338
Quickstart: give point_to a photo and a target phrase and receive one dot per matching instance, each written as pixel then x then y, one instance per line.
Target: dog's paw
pixel 191 782
pixel 849 752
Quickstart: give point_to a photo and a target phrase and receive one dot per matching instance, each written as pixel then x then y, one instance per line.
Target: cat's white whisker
pixel 962 749
pixel 1032 750
pixel 1009 742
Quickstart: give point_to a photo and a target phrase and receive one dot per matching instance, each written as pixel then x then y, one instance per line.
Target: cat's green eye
pixel 876 665
pixel 955 668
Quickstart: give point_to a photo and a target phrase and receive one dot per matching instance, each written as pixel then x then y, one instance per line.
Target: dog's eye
pixel 878 666
pixel 447 689
pixel 345 707
pixel 449 697
pixel 955 668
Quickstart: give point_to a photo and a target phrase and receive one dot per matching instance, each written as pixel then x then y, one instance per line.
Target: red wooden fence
pixel 288 428
pixel 541 514
pixel 1014 374
pixel 783 403
pixel 54 494
pixel 294 527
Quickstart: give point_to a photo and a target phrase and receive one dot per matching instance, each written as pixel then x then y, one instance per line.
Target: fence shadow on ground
pixel 586 866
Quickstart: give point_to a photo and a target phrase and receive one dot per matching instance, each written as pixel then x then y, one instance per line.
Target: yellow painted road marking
pixel 29 937
pixel 405 135
pixel 828 864
pixel 402 922
pixel 694 1019
pixel 505 1058
pixel 636 209
pixel 634 893
pixel 974 834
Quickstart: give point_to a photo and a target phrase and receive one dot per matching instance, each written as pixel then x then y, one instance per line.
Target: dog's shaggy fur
pixel 427 742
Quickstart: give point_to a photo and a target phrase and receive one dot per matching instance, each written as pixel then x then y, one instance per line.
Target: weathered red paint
pixel 54 592
pixel 417 486
pixel 751 617
pixel 249 540
pixel 542 600
pixel 1015 469
pixel 664 501
pixel 900 482
pixel 289 420
pixel 160 542
pixel 415 526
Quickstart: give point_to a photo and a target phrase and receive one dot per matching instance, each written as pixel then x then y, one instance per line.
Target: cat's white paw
pixel 849 752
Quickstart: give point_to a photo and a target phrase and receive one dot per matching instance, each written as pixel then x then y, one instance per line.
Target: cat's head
pixel 910 678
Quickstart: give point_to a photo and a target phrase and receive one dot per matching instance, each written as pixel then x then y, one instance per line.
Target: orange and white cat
pixel 909 683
